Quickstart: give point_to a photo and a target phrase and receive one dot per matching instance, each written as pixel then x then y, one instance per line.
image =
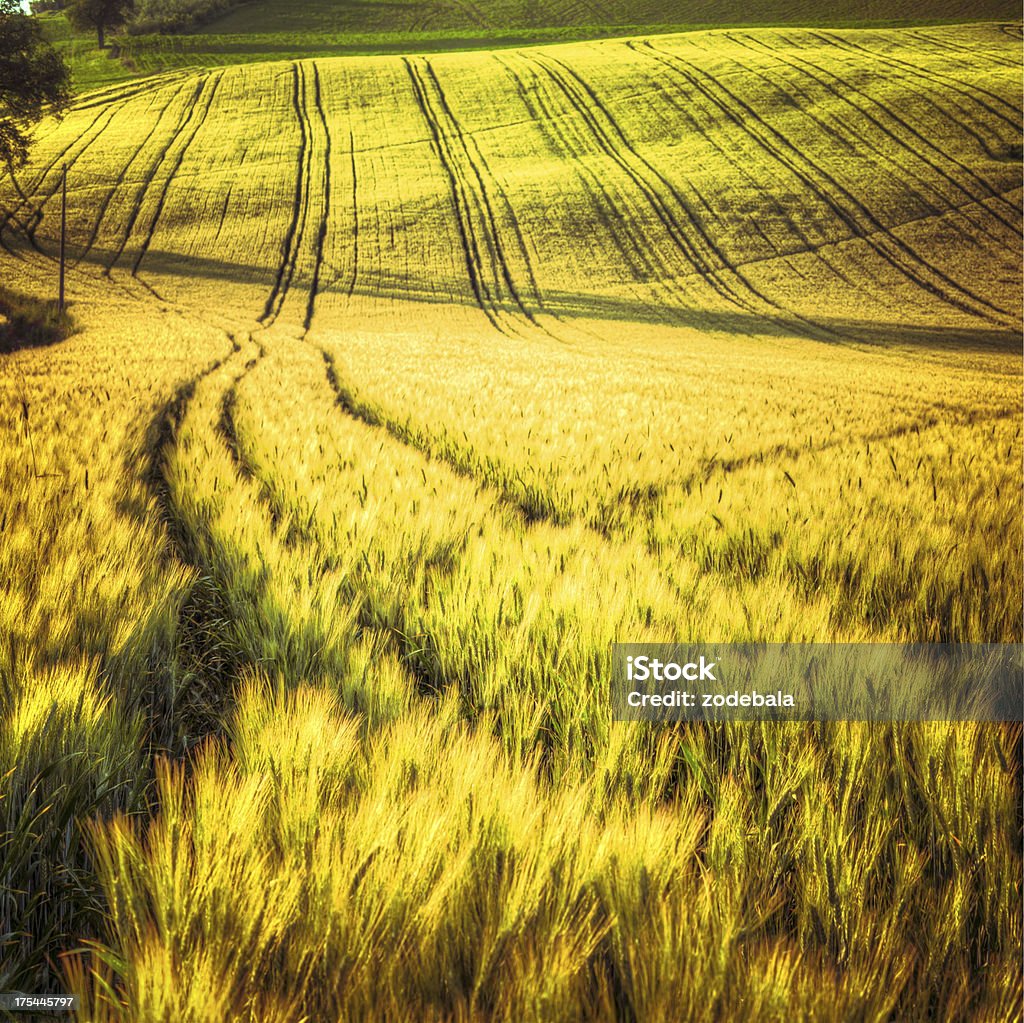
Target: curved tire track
pixel 843 204
pixel 300 204
pixel 675 212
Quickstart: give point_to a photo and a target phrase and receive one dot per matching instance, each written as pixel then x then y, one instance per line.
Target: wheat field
pixel 399 389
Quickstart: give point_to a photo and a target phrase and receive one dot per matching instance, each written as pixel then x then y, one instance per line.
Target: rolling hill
pixel 402 386
pixel 274 29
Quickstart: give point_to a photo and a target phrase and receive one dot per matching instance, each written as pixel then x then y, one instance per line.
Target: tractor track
pixel 847 93
pixel 476 233
pixel 484 175
pixel 30 227
pixel 29 194
pixel 354 278
pixel 144 186
pixel 214 83
pixel 681 101
pixel 933 78
pixel 300 204
pixel 634 251
pixel 827 189
pixel 321 235
pixel 115 186
pixel 680 220
pixel 948 107
pixel 939 46
pixel 132 90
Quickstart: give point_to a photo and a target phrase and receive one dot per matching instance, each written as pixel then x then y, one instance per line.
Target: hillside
pixel 277 29
pixel 796 178
pixel 338 16
pixel 404 386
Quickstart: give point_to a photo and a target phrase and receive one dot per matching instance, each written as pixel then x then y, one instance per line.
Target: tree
pixel 98 14
pixel 33 81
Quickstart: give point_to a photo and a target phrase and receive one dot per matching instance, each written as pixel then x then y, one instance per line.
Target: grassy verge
pixel 91 67
pixel 132 56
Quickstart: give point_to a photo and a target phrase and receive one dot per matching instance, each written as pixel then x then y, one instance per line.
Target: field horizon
pixel 397 388
pixel 262 30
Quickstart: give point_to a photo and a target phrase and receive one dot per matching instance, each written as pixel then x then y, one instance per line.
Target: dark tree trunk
pixel 101 34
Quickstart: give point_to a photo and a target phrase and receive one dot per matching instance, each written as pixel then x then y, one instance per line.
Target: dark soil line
pixel 844 204
pixel 933 78
pixel 25 197
pixel 294 233
pixel 682 102
pixel 635 252
pixel 168 181
pixel 355 216
pixel 943 46
pixel 532 506
pixel 712 263
pixel 38 215
pixel 480 170
pixel 924 149
pixel 116 184
pixel 460 203
pixel 207 669
pixel 790 451
pixel 321 235
pixel 136 208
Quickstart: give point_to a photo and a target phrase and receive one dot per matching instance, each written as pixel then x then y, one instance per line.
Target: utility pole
pixel 63 231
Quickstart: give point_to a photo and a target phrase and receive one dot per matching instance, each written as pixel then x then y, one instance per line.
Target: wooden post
pixel 63 230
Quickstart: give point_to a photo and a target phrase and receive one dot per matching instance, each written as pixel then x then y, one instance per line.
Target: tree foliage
pixel 99 14
pixel 34 80
pixel 176 15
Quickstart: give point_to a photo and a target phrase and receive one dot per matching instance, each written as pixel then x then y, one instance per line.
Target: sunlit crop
pixel 401 388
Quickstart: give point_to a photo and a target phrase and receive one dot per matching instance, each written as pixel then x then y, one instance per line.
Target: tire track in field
pixel 118 181
pixel 300 204
pixel 940 45
pixel 921 152
pixel 321 235
pixel 635 252
pixel 934 78
pixel 218 558
pixel 490 277
pixel 202 639
pixel 493 195
pixel 678 217
pixel 949 107
pixel 293 526
pixel 682 101
pixel 532 502
pixel 29 228
pixel 471 10
pixel 214 84
pixel 964 417
pixel 830 192
pixel 132 90
pixel 114 110
pixel 109 106
pixel 353 280
pixel 29 193
pixel 136 205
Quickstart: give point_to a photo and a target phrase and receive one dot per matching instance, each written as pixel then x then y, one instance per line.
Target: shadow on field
pixel 27 322
pixel 419 287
